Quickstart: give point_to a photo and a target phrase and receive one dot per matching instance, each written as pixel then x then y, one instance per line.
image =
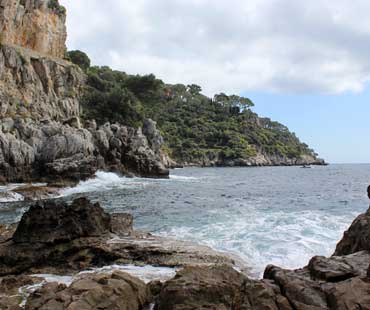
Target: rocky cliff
pixel 35 24
pixel 55 152
pixel 38 87
pixel 41 136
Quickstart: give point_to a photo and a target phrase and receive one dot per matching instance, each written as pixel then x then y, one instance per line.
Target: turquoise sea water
pixel 279 215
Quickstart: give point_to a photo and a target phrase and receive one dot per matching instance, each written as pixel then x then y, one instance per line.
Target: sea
pixel 265 215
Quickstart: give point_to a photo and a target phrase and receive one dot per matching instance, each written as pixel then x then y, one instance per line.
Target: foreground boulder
pixel 118 290
pixel 218 287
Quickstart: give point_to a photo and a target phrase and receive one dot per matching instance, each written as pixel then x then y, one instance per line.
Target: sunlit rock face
pixel 37 87
pixel 35 24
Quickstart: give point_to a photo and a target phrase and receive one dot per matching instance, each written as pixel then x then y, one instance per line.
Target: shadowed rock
pixel 357 237
pixel 68 222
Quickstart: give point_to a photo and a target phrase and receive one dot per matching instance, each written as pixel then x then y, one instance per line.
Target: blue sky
pixel 335 126
pixel 303 63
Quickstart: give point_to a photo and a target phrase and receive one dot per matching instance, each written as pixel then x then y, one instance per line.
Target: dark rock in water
pixel 52 222
pixel 118 290
pixel 357 237
pixel 54 237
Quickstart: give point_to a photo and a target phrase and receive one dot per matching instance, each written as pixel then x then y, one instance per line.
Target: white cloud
pixel 319 46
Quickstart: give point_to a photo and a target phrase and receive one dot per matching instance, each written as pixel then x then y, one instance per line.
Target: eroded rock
pixel 51 151
pixel 118 290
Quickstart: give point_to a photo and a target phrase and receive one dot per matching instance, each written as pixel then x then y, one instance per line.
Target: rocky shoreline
pixel 56 238
pixel 260 160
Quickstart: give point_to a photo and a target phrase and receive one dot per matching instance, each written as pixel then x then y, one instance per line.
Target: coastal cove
pixel 278 215
pixel 137 181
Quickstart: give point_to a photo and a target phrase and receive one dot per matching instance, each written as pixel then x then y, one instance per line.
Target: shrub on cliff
pixel 108 99
pixel 56 7
pixel 79 58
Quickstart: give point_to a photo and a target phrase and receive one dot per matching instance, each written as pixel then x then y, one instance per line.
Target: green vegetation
pixel 56 7
pixel 194 126
pixel 79 58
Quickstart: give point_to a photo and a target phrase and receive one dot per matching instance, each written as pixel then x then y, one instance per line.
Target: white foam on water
pixel 184 178
pixel 7 193
pixel 8 196
pixel 25 291
pixel 285 239
pixel 145 273
pixel 104 181
pixel 67 280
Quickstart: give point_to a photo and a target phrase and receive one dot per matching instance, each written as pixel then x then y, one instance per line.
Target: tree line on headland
pixel 194 126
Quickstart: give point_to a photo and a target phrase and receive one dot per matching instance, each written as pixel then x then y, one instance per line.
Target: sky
pixel 303 63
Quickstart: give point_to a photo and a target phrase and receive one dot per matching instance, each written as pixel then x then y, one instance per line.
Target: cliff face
pixel 41 137
pixel 35 24
pixel 37 87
